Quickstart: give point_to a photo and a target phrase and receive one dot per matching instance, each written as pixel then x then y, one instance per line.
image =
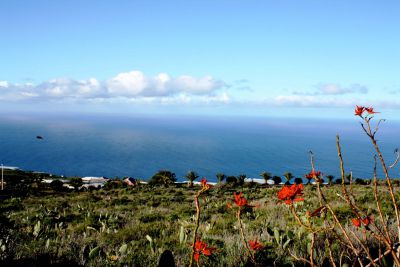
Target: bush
pixel 277 179
pixel 76 182
pixel 231 180
pixel 57 185
pixel 163 177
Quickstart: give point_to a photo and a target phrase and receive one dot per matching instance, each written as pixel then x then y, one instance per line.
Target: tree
pixel 288 176
pixel 76 182
pixel 298 180
pixel 231 180
pixel 241 178
pixel 330 179
pixel 164 177
pixel 277 179
pixel 220 177
pixel 191 176
pixel 266 175
pixel 57 185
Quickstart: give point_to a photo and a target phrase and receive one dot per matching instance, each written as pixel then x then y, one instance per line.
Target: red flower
pixel 291 193
pixel 359 110
pixel 367 220
pixel 255 245
pixel 204 184
pixel 240 200
pixel 202 248
pixel 356 222
pixel 313 175
pixel 370 110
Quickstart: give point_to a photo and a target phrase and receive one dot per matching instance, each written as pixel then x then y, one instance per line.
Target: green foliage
pixel 120 227
pixel 288 176
pixel 163 177
pixel 191 176
pixel 298 180
pixel 266 176
pixel 57 185
pixel 76 182
pixel 232 180
pixel 276 179
pixel 241 178
pixel 221 177
pixel 330 179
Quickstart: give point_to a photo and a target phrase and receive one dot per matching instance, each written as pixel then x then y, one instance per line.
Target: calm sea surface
pixel 139 146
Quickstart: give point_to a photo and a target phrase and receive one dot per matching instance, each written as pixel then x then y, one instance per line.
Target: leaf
pixel 182 235
pixel 94 252
pixel 270 232
pixel 149 238
pixel 122 250
pixel 290 234
pixel 287 243
pixel 36 229
pixel 91 228
pixel 309 248
pixel 48 243
pixel 277 235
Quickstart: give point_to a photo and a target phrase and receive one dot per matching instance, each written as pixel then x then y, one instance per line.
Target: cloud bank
pixel 131 86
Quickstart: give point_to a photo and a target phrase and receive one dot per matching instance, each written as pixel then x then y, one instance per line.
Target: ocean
pixel 139 146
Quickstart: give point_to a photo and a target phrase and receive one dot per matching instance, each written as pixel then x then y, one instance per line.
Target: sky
pixel 209 57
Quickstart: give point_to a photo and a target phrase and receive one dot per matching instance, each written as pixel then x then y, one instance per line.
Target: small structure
pixel 93 181
pixel 130 181
pixel 48 181
pixel 260 181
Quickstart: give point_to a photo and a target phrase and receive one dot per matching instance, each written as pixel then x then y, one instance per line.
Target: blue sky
pixel 263 58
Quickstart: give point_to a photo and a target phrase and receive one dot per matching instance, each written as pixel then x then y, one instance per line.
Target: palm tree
pixel 288 176
pixel 220 177
pixel 266 175
pixel 330 179
pixel 191 176
pixel 241 179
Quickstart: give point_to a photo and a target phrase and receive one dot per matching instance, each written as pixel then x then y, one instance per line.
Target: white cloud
pixel 128 84
pixel 335 89
pixel 194 85
pixel 67 88
pixel 133 85
pixel 3 84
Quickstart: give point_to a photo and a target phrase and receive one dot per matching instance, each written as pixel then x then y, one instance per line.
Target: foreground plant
pixel 201 248
pixel 240 203
pixel 198 247
pixel 331 226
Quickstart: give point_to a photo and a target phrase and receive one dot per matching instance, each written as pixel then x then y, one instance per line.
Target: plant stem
pixel 385 170
pixel 238 213
pixel 196 201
